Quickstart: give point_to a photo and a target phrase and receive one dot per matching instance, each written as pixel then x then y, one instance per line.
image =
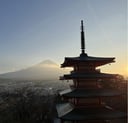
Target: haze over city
pixel 33 31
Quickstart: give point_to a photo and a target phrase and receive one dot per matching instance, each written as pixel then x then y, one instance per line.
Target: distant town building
pixel 84 101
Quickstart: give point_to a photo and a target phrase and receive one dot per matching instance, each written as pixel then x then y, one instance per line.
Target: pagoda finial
pixel 82 38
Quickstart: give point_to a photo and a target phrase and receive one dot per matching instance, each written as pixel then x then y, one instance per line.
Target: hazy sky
pixel 34 30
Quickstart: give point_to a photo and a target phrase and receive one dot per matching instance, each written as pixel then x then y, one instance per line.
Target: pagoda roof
pixel 90 93
pixel 84 58
pixel 67 112
pixel 77 75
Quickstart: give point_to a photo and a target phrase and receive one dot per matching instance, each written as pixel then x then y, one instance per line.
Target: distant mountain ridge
pixel 47 62
pixel 45 70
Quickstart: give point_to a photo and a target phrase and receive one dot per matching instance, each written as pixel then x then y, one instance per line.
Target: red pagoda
pixel 84 101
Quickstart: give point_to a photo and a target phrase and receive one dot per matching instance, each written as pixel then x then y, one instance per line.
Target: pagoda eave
pixel 69 113
pixel 87 76
pixel 95 61
pixel 90 93
pixel 73 116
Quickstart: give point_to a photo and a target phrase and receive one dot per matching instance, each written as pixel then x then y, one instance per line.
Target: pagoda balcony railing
pixel 91 71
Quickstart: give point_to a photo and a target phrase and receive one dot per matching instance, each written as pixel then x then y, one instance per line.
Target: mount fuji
pixel 46 70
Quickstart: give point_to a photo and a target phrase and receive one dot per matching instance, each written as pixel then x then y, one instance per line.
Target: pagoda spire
pixel 82 38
